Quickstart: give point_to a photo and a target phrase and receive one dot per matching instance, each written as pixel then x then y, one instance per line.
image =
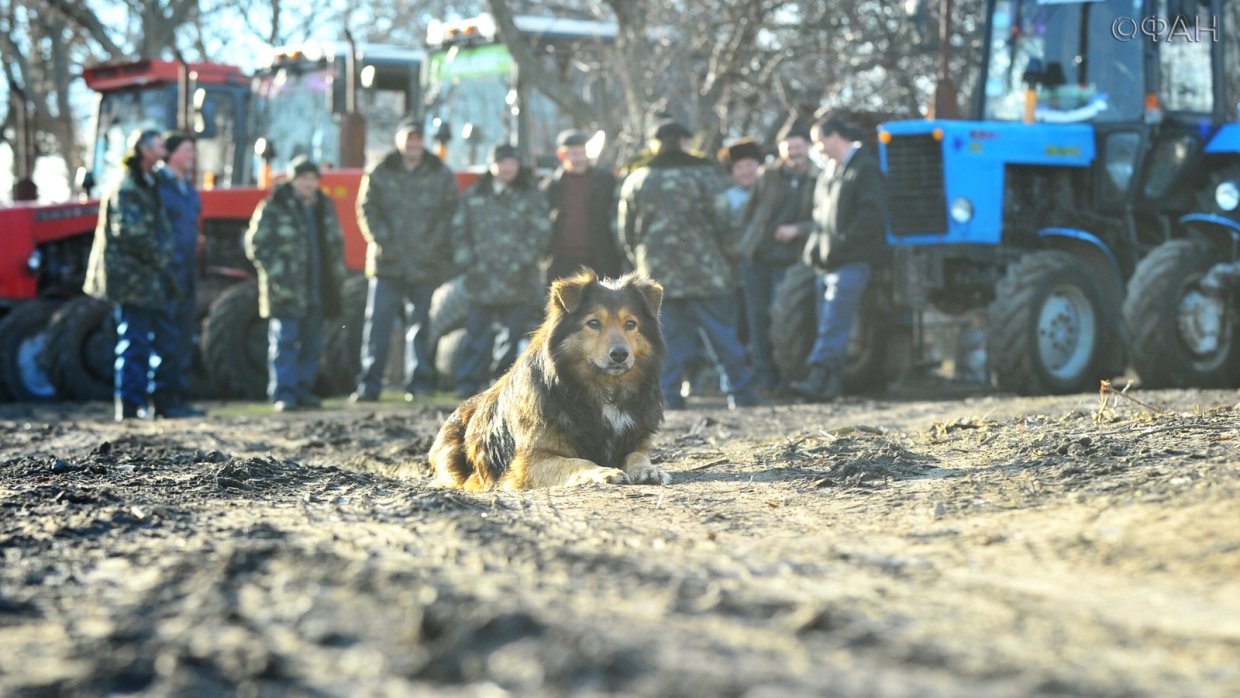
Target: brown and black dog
pixel 579 405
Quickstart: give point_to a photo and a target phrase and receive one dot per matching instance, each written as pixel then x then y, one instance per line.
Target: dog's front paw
pixel 647 474
pixel 599 476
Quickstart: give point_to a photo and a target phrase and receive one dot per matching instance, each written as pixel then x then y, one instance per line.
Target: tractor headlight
pixel 962 210
pixel 34 262
pixel 1227 196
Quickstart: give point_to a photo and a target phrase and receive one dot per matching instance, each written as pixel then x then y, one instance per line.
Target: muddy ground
pixel 988 546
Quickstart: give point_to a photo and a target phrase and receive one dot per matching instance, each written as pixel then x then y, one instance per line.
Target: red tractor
pixel 54 342
pixel 45 246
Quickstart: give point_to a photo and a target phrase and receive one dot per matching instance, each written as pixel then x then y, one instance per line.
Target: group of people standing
pixel 790 211
pixel 143 261
pixel 676 217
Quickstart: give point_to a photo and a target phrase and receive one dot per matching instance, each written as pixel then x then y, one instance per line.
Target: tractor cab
pixel 1148 77
pixel 477 96
pixel 160 95
pixel 303 101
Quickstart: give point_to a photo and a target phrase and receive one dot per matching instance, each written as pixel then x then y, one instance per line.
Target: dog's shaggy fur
pixel 579 405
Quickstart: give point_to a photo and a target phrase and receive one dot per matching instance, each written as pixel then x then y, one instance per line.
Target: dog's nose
pixel 619 354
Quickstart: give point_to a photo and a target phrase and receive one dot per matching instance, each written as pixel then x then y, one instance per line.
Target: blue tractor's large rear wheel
pixel 1048 329
pixel 1180 336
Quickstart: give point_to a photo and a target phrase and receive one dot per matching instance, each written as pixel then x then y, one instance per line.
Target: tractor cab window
pixel 1068 52
pixel 1230 18
pixel 215 123
pixel 471 89
pixel 1184 61
pixel 121 113
pixel 294 113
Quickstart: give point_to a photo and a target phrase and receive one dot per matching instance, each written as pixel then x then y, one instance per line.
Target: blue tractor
pixel 1091 204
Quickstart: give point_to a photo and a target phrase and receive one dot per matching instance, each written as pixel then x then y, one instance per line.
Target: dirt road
pixel 983 547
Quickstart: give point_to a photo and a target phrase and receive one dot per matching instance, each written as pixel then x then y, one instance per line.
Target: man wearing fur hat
pixel 775 225
pixel 404 208
pixel 741 158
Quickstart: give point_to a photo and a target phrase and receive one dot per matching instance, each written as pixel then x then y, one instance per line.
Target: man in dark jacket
pixel 128 265
pixel 174 334
pixel 502 230
pixel 404 208
pixel 775 225
pixel 583 212
pixel 296 245
pixel 673 222
pixel 848 240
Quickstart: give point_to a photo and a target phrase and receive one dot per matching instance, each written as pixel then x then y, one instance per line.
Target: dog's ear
pixel 651 290
pixel 567 292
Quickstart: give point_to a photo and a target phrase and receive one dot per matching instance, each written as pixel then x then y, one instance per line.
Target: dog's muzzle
pixel 618 360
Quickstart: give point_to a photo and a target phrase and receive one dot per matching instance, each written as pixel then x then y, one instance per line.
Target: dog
pixel 579 405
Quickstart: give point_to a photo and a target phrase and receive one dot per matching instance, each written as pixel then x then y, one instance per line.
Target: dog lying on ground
pixel 579 405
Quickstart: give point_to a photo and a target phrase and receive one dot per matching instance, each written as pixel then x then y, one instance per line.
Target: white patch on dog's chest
pixel 618 420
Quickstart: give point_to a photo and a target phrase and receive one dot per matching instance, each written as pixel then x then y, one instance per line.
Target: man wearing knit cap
pixel 674 224
pixel 774 227
pixel 582 200
pixel 296 245
pixel 174 330
pixel 404 208
pixel 501 231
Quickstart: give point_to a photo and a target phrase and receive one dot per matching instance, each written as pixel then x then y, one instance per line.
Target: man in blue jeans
pixel 297 248
pixel 846 242
pixel 404 208
pixel 674 224
pixel 128 265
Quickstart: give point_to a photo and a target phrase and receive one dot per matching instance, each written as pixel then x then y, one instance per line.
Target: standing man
pixel 174 333
pixel 129 264
pixel 502 231
pixel 296 245
pixel 847 241
pixel 583 212
pixel 673 222
pixel 404 208
pixel 775 225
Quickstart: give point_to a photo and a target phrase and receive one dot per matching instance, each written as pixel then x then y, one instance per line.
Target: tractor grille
pixel 916 199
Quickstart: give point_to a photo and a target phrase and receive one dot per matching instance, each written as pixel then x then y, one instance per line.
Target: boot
pixel 173 406
pixel 822 385
pixel 123 411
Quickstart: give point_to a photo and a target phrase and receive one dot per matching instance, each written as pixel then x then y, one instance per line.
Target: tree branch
pixel 82 16
pixel 532 69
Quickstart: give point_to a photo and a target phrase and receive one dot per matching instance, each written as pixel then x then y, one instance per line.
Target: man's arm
pixel 370 216
pixel 869 219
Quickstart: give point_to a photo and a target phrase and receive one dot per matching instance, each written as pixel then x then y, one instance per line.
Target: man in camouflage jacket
pixel 296 245
pixel 674 223
pixel 405 208
pixel 501 230
pixel 128 265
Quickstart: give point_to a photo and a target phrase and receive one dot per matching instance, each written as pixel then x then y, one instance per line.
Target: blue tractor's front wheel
pixel 1048 330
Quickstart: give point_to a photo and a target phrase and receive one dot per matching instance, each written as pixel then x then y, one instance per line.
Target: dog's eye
pixel 594 324
pixel 629 325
